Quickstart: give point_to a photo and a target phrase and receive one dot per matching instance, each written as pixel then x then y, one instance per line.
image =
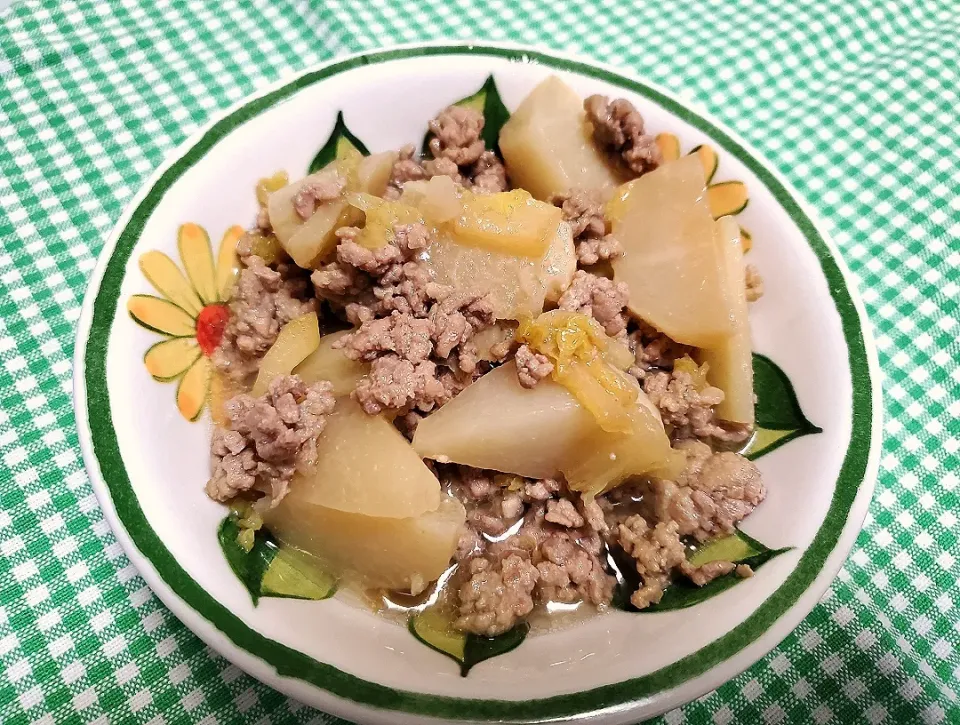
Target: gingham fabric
pixel 854 100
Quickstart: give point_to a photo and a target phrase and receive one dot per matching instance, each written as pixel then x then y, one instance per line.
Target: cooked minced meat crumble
pixel 415 341
pixel 619 127
pixel 268 438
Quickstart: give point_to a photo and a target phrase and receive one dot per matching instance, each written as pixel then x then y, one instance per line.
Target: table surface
pixel 854 101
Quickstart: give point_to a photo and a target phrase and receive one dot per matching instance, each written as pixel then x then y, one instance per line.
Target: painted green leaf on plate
pixel 339 142
pixel 269 569
pixel 434 628
pixel 779 416
pixel 486 100
pixel 682 593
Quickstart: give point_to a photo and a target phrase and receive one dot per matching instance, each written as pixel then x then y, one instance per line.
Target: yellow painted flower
pixel 190 313
pixel 725 198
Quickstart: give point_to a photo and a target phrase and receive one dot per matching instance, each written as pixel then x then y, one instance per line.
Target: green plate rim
pixel 290 663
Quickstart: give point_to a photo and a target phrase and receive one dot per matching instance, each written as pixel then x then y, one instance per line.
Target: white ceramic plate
pixel 148 463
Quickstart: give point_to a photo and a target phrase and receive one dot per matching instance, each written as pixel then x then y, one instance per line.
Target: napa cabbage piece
pixel 380 217
pixel 390 553
pixel 267 246
pixel 365 466
pixel 309 241
pixel 297 339
pixel 548 147
pixel 270 184
pixel 330 364
pixel 512 222
pixel 672 261
pixel 697 372
pixel 729 362
pixel 584 361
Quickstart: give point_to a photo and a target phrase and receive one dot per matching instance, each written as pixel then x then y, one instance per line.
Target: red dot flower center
pixel 211 322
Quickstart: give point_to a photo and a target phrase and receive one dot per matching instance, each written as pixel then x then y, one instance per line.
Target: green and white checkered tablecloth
pixel 856 101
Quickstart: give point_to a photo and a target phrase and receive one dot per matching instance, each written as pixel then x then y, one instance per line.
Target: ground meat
pixel 497 595
pixel 499 350
pixel 375 262
pixel 336 281
pixel 687 409
pixel 532 367
pixel 475 484
pixel 656 552
pixel 564 513
pixel 410 238
pixel 619 128
pixel 456 135
pixel 378 282
pixel 512 506
pixel 713 494
pixel 452 321
pixel 681 403
pixel 404 288
pixel 396 384
pixel 268 438
pixel 492 500
pixel 471 542
pixel 468 357
pixel 325 187
pixel 417 333
pixel 478 485
pixel 405 168
pixel 541 490
pixel 654 350
pixel 744 571
pixel 569 573
pixel 456 317
pixel 369 283
pixel 488 175
pixel 754 283
pixel 568 554
pixel 444 167
pixel 591 251
pixel 583 211
pixel 593 514
pixel 455 381
pixel 264 300
pixel 603 299
pixel 559 533
pixel 411 338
